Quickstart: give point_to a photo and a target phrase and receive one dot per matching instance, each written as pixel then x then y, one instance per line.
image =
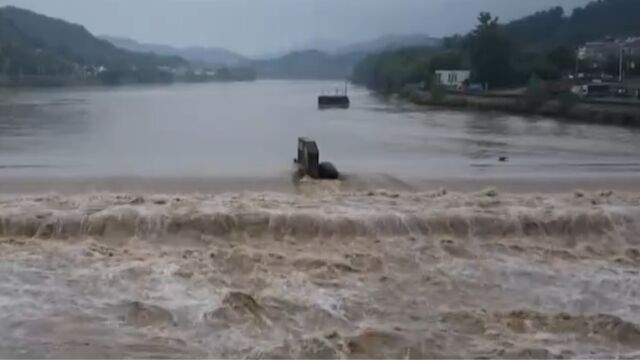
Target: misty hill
pixel 599 19
pixel 319 59
pixel 308 64
pixel 17 54
pixel 325 45
pixel 34 44
pixel 390 42
pixel 336 64
pixel 74 42
pixel 382 43
pixel 200 55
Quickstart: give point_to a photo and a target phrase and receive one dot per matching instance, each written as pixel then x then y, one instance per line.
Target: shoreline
pixel 591 112
pixel 67 82
pixel 285 184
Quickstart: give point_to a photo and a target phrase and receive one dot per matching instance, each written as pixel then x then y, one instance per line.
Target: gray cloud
pixel 263 26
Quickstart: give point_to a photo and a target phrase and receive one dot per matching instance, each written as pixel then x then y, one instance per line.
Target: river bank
pixel 110 80
pixel 593 112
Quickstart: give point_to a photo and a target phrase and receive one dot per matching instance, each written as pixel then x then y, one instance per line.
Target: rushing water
pixel 320 274
pixel 329 270
pixel 250 130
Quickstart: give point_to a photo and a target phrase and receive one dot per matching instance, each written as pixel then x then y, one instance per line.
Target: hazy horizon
pixel 256 28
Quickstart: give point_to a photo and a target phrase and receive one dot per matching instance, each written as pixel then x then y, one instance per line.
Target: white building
pixel 598 50
pixel 602 50
pixel 453 78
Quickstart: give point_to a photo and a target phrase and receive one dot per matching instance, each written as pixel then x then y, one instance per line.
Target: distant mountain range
pixel 340 47
pixel 316 59
pixel 222 56
pixel 335 62
pixel 197 55
pixel 40 46
pixel 308 64
pixel 326 45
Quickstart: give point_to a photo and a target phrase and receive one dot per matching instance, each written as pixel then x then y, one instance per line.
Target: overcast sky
pixel 256 27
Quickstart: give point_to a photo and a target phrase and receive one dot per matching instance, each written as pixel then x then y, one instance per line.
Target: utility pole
pixel 621 70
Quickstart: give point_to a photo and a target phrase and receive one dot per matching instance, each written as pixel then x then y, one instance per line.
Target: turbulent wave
pixel 327 274
pixel 373 214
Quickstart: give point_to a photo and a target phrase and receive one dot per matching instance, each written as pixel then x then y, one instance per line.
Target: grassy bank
pixel 588 111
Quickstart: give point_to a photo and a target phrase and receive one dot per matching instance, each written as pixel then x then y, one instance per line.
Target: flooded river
pixel 249 130
pixel 188 248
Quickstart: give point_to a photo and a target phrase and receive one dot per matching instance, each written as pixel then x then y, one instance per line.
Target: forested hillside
pixel 503 55
pixel 602 18
pixel 33 44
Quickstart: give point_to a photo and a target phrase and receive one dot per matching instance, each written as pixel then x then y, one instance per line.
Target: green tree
pixel 391 71
pixel 490 52
pixel 453 42
pixel 450 60
pixel 438 92
pixel 562 57
pixel 536 94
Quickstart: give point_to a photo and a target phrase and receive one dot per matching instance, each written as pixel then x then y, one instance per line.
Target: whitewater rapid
pixel 326 273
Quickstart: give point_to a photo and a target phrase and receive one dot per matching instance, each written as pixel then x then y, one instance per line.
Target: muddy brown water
pixel 162 222
pixel 320 274
pixel 249 131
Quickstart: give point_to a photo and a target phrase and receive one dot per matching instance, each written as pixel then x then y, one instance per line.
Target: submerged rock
pixel 237 308
pixel 143 315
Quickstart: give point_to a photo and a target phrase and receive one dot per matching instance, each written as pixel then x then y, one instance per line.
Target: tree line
pixel 542 45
